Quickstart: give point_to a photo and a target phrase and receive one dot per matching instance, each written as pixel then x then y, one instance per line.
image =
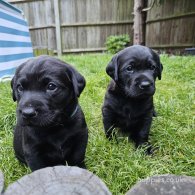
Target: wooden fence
pixel 83 25
pixel 171 24
pixel 78 25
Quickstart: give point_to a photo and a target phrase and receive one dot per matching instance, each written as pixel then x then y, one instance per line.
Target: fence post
pixel 57 27
pixel 138 22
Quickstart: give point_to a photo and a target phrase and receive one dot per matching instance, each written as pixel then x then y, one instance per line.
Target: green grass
pixel 119 165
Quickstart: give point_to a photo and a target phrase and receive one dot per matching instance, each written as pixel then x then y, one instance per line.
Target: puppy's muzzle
pixel 144 82
pixel 28 112
pixel 144 85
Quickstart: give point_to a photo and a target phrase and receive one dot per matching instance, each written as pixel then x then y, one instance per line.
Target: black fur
pixel 128 103
pixel 51 128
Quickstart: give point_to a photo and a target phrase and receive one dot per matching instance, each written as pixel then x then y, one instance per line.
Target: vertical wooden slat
pixel 58 29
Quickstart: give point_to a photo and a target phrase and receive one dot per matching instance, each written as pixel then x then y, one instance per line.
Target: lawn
pixel 119 165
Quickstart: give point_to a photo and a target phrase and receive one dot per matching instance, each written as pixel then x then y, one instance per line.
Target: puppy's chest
pixel 129 113
pixel 53 140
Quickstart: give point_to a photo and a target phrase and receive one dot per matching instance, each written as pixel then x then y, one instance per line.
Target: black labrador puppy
pixel 128 103
pixel 51 128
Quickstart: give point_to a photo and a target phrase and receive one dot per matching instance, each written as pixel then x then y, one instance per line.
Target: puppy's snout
pixel 28 112
pixel 145 84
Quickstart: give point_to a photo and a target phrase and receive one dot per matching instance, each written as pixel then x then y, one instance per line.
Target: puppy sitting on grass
pixel 128 103
pixel 51 128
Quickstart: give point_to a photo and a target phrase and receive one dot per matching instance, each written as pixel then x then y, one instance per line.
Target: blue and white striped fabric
pixel 15 42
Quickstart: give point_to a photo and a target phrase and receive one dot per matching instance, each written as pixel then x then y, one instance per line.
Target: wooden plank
pixel 80 50
pixel 103 23
pixel 171 17
pixel 84 24
pixel 22 1
pixel 58 30
pixel 41 27
pixel 67 11
pixel 43 51
pixel 51 41
pixel 171 46
pixel 92 10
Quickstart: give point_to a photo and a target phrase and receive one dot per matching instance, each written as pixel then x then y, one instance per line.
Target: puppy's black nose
pixel 29 112
pixel 145 84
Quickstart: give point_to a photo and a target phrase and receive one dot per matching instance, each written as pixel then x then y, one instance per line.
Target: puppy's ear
pixel 78 81
pixel 158 63
pixel 112 68
pixel 160 68
pixel 13 90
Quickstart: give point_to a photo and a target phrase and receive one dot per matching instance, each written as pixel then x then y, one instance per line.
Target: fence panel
pixel 85 24
pixel 171 24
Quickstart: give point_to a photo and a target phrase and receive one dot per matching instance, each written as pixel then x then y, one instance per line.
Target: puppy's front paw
pixel 148 148
pixel 151 150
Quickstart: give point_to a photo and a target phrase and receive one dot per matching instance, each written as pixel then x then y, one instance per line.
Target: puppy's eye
pixel 51 87
pixel 129 68
pixel 152 67
pixel 20 88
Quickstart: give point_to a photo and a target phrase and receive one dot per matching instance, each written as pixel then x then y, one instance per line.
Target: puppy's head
pixel 46 89
pixel 135 70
